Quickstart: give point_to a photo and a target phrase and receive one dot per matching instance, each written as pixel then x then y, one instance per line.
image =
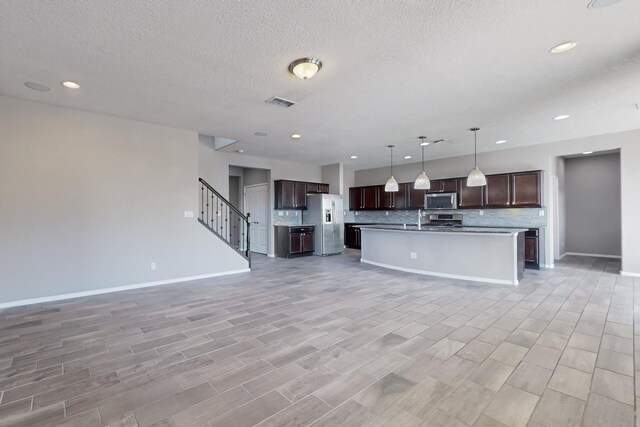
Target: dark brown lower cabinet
pixel 352 236
pixel 531 249
pixel 294 240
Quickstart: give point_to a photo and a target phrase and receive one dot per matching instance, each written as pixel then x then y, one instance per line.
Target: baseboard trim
pixel 629 274
pixel 115 289
pixel 562 256
pixel 549 265
pixel 448 276
pixel 592 255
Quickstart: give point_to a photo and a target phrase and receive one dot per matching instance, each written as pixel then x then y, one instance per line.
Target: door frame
pixel 267 208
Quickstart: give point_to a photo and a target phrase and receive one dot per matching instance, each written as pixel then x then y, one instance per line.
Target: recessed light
pixel 561 117
pixel 260 134
pixel 502 141
pixel 353 157
pixel 70 85
pixel 588 152
pixel 424 144
pixel 563 47
pixel 407 157
pixel 240 151
pixel 296 136
pixel 37 86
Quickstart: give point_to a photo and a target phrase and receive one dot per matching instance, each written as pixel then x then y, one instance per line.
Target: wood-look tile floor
pixel 330 342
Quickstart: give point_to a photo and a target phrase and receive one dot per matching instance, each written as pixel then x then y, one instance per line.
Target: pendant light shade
pixel 476 178
pixel 391 185
pixel 422 181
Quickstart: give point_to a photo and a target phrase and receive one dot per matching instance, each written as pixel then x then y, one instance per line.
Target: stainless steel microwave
pixel 441 201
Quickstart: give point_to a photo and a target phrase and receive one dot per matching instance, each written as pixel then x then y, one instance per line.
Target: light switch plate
pixel 280 213
pixel 153 266
pixel 541 213
pixel 188 214
pixel 413 255
pixel 481 213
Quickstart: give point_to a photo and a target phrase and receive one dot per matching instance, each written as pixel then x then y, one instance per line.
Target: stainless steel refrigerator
pixel 325 212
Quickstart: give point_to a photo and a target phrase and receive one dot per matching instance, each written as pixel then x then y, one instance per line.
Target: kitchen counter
pixel 491 255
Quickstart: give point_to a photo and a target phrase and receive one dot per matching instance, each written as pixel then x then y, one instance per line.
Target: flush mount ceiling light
pixel 70 84
pixel 407 157
pixel 353 157
pixel 476 178
pixel 561 117
pixel 296 136
pixel 305 68
pixel 502 141
pixel 563 47
pixel 587 152
pixel 37 86
pixel 391 185
pixel 422 181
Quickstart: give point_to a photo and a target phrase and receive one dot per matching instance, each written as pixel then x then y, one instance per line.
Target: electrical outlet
pixel 413 255
pixel 541 212
pixel 387 213
pixel 286 213
pixel 153 265
pixel 188 214
pixel 481 213
pixel 280 213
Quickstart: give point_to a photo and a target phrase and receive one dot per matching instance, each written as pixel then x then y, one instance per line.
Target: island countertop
pixel 441 229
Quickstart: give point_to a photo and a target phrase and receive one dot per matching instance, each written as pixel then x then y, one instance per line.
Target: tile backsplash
pixel 286 217
pixel 514 217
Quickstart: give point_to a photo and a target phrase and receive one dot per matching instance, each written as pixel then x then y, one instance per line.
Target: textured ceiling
pixel 392 70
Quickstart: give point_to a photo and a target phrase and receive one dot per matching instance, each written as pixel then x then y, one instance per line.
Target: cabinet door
pixel 450 185
pixel 369 197
pixel 323 188
pixel 470 197
pixel 525 188
pixel 498 191
pixel 531 249
pixel 358 239
pixel 401 197
pixel 350 238
pixel 308 242
pixel 300 195
pixel 355 198
pixel 295 243
pixel 415 198
pixel 385 199
pixel 436 186
pixel 285 194
pixel 312 187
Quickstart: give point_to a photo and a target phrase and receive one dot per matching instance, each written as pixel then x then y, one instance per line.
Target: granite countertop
pixel 426 228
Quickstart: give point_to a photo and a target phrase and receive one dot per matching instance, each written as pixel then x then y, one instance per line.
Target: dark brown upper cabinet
pixel 498 191
pixel 444 186
pixel 363 198
pixel 293 194
pixel 470 197
pixel 415 198
pixel 526 189
pixel 392 200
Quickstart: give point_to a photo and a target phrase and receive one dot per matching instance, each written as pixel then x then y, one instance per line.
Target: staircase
pixel 224 220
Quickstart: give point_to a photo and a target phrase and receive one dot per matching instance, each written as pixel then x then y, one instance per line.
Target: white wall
pixel 88 201
pixel 214 168
pixel 592 187
pixel 332 175
pixel 544 157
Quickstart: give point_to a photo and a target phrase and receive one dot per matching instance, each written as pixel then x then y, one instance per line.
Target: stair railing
pixel 225 220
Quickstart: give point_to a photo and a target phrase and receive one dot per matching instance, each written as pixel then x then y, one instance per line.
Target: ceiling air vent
pixel 281 102
pixel 438 141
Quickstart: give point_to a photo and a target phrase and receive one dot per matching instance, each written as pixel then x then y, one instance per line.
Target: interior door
pixel 257 204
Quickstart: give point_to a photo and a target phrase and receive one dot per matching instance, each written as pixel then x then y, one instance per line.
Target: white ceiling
pixel 393 70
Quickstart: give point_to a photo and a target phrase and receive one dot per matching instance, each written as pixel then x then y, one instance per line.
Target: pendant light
pixel 391 185
pixel 422 181
pixel 476 178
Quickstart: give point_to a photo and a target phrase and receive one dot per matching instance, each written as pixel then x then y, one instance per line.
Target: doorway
pixel 256 202
pixel 592 214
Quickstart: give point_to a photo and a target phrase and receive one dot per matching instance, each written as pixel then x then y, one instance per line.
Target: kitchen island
pixel 491 255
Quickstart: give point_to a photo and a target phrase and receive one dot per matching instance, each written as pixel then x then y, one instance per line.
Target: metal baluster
pixel 202 202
